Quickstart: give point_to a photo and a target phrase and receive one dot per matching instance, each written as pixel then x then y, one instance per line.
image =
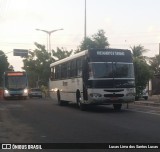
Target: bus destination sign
pixel 15 74
pixel 110 53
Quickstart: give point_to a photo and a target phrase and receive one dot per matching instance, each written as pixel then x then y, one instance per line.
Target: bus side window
pixel 79 67
pixel 64 71
pixel 58 72
pixel 73 68
pixel 68 70
pixel 55 72
pixel 52 74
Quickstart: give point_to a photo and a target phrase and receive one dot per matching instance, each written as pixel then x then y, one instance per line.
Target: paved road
pixel 43 121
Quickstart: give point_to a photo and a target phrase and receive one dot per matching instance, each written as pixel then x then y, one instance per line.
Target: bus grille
pixel 113 95
pixel 110 90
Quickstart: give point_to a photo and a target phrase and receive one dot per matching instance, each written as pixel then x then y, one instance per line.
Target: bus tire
pixel 117 107
pixel 59 98
pixel 79 101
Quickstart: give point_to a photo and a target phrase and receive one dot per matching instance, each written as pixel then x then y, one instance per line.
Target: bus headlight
pixel 95 95
pixel 25 91
pixel 6 92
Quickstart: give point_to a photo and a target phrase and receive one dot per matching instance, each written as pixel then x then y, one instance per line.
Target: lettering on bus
pixel 111 53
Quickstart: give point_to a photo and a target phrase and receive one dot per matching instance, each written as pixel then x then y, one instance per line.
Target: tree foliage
pixel 4 65
pixel 155 64
pixel 98 40
pixel 142 69
pixel 37 64
pixel 142 74
pixel 138 52
pixel 61 53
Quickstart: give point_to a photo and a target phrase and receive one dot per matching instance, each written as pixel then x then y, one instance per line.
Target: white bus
pixel 94 77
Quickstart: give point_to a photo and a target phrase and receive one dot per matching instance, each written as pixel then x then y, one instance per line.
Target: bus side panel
pixel 54 86
pixel 67 88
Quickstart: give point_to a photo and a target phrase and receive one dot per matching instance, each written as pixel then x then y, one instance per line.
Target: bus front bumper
pixel 22 93
pixel 113 100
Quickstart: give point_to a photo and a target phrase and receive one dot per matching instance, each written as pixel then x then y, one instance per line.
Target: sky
pixel 126 23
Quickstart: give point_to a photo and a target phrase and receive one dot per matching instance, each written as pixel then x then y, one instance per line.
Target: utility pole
pixel 85 22
pixel 159 48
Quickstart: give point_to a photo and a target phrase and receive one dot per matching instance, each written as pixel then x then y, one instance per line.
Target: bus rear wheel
pixel 117 107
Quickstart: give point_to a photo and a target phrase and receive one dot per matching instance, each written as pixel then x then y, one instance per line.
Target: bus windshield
pixel 111 70
pixel 14 82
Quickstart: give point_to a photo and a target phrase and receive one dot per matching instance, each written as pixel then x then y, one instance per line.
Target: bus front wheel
pixel 117 107
pixel 79 102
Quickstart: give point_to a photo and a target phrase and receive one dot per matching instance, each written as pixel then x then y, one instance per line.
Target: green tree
pixel 37 65
pixel 61 53
pixel 155 64
pixel 97 41
pixel 142 69
pixel 4 65
pixel 138 51
pixel 100 40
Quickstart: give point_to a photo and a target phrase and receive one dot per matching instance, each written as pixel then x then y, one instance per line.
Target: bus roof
pixel 69 58
pixel 102 53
